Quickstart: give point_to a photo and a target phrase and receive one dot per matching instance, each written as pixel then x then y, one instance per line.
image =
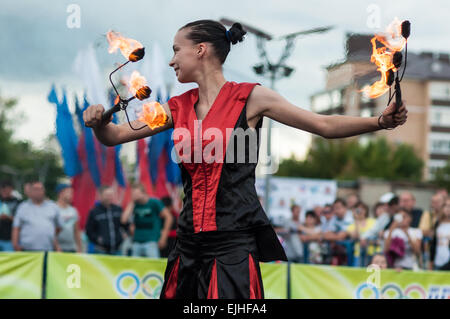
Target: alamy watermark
pixel 73 20
pixel 238 146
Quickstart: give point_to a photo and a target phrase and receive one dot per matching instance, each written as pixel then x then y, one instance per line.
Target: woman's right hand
pixel 92 116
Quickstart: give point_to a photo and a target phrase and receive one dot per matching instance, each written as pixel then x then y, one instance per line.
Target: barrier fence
pixel 52 275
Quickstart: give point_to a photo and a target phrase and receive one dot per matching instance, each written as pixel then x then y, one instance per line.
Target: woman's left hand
pixel 391 118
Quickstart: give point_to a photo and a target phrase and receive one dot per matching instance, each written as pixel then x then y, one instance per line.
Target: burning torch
pixel 153 114
pixel 389 60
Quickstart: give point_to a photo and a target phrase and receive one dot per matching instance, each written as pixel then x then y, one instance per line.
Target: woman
pixel 440 246
pixel 223 231
pixel 357 230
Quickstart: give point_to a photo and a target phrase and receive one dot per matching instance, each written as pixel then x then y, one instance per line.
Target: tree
pixel 348 159
pixel 442 176
pixel 20 161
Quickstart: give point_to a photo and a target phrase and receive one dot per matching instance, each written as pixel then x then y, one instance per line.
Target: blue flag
pixel 66 135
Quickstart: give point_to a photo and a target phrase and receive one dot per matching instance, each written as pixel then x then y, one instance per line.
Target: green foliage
pixel 20 161
pixel 348 159
pixel 442 176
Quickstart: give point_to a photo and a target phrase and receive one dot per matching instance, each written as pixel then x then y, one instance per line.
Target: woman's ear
pixel 201 49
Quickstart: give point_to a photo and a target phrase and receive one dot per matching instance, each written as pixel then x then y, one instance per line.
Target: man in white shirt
pixel 37 222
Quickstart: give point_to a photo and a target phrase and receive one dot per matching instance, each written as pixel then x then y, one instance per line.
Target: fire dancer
pixel 223 232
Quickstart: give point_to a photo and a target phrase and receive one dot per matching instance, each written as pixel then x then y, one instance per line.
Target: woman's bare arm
pixel 266 102
pixel 111 134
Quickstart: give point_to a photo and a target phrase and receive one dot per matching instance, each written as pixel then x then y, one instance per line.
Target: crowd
pixel 393 234
pixel 146 227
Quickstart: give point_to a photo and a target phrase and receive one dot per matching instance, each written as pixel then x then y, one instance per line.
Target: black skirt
pixel 220 264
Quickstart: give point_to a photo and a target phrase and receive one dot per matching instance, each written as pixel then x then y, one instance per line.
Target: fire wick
pixel 397 61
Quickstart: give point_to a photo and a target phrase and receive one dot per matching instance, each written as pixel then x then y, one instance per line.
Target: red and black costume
pixel 223 232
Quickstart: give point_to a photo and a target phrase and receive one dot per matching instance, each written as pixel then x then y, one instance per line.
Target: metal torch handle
pixel 398 94
pixel 106 116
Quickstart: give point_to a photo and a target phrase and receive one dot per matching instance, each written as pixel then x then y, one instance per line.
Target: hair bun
pixel 237 33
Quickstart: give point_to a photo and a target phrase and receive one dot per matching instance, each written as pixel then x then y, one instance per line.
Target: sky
pixel 38 48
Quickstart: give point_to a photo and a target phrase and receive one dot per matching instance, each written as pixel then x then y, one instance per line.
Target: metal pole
pixel 269 149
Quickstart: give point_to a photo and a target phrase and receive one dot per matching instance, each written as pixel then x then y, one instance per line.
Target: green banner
pixel 329 282
pixel 274 280
pixel 21 275
pixel 103 277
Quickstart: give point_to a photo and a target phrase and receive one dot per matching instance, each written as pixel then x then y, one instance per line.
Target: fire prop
pixel 389 59
pixel 133 51
pixel 153 114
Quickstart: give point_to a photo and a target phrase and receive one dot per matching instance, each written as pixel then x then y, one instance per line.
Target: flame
pixel 116 100
pixel 126 45
pixel 153 114
pixel 383 57
pixel 136 82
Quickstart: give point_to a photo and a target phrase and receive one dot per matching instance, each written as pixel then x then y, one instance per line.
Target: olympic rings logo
pixel 391 291
pixel 150 285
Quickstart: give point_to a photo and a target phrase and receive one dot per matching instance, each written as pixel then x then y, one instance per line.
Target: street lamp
pixel 273 71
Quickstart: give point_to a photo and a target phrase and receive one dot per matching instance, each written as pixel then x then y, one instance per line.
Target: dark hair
pixel 167 201
pixel 34 181
pixel 215 33
pixel 6 183
pixel 393 201
pixel 340 200
pixel 310 213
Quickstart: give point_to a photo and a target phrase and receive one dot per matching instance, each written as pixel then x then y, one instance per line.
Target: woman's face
pixel 360 212
pixel 186 56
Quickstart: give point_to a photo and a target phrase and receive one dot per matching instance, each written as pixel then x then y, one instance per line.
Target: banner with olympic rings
pixel 330 282
pixel 109 277
pixel 89 276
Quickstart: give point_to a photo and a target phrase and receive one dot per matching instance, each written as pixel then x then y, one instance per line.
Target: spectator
pixel 383 218
pixel 440 252
pixel 431 218
pixel 352 200
pixel 443 192
pixel 149 234
pixel 326 219
pixel 37 222
pixel 403 241
pixel 393 208
pixel 340 221
pixel 408 201
pixel 8 207
pixel 104 227
pixel 168 203
pixel 361 226
pixel 340 248
pixel 379 260
pixel 289 232
pixel 69 238
pixel 318 210
pixel 311 236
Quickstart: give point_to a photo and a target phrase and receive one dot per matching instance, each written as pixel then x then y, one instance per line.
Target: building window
pixel 440 116
pixel 439 143
pixel 440 91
